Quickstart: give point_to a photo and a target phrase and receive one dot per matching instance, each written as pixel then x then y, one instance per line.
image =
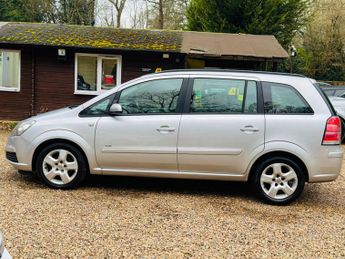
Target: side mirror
pixel 115 109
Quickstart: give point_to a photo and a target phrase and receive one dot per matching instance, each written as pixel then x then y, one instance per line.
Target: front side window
pixel 156 96
pixel 224 96
pixel 283 99
pixel 100 108
pixel 96 73
pixel 9 70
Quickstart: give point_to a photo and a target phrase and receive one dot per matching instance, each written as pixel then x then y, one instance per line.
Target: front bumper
pixel 23 152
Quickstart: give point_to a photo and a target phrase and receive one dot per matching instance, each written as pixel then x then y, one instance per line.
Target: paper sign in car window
pixel 232 91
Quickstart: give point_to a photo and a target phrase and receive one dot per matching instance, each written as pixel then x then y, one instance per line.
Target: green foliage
pixel 321 54
pixel 12 10
pixel 281 18
pixel 51 11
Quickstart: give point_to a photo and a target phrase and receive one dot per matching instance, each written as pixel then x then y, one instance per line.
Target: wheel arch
pixel 54 141
pixel 286 154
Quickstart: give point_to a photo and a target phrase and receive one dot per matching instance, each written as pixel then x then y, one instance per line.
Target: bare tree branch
pixel 119 5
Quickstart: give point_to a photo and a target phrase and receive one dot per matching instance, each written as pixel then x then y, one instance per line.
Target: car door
pixel 222 127
pixel 144 137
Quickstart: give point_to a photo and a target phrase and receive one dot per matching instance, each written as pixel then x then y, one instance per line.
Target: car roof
pixel 263 76
pixel 230 71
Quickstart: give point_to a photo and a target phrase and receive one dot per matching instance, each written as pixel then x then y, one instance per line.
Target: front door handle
pixel 249 129
pixel 165 129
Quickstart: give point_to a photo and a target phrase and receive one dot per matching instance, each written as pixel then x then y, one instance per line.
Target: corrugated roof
pixel 226 44
pixel 197 43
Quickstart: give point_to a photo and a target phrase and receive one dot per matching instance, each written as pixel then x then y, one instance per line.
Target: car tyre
pixel 278 180
pixel 61 166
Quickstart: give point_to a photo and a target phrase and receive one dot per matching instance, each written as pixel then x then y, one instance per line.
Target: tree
pixel 52 11
pixel 119 5
pixel 139 14
pixel 158 5
pixel 76 11
pixel 167 14
pixel 21 11
pixel 321 46
pixel 282 18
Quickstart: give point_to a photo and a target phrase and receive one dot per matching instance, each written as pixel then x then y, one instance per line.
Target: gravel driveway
pixel 131 217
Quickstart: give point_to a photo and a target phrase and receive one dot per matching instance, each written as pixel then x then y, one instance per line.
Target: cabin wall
pixel 53 85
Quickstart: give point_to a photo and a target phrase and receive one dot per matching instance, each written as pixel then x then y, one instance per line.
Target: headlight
pixel 22 127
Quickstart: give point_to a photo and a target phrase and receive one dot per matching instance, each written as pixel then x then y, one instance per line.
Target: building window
pixel 10 70
pixel 96 73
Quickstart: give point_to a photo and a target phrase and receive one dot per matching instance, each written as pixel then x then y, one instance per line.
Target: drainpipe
pixel 33 75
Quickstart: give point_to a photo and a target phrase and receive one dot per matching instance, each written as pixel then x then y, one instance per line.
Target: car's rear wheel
pixel 61 166
pixel 278 180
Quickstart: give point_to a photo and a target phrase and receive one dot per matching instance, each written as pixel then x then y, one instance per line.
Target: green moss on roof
pixel 90 37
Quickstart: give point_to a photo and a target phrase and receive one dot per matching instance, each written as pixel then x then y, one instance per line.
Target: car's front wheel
pixel 61 166
pixel 278 180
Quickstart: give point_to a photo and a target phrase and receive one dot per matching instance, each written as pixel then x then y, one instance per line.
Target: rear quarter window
pixel 284 99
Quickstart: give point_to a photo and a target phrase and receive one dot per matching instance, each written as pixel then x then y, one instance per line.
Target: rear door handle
pixel 249 129
pixel 165 129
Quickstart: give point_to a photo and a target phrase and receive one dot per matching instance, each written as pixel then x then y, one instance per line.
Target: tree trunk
pixel 161 15
pixel 118 19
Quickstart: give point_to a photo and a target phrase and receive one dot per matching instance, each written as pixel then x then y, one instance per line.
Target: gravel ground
pixel 111 217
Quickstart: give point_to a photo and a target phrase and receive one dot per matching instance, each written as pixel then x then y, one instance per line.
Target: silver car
pixel 3 252
pixel 277 131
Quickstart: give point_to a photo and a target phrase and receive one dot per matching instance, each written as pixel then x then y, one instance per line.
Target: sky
pixel 104 10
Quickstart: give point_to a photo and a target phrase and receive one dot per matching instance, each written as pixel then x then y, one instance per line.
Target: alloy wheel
pixel 60 166
pixel 279 181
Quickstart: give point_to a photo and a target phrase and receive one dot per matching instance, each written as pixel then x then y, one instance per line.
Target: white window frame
pixel 99 72
pixel 17 89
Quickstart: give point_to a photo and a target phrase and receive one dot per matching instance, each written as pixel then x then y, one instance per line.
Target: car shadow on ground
pixel 163 185
pixel 145 185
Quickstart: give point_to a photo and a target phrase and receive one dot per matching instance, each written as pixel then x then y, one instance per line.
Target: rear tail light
pixel 332 134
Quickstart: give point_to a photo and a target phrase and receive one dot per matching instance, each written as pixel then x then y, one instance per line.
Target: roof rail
pixel 231 70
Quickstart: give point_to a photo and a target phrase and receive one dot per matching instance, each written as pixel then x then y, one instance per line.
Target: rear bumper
pixel 327 165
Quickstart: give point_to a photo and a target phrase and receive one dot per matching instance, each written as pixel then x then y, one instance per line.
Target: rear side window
pixel 223 96
pixel 283 99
